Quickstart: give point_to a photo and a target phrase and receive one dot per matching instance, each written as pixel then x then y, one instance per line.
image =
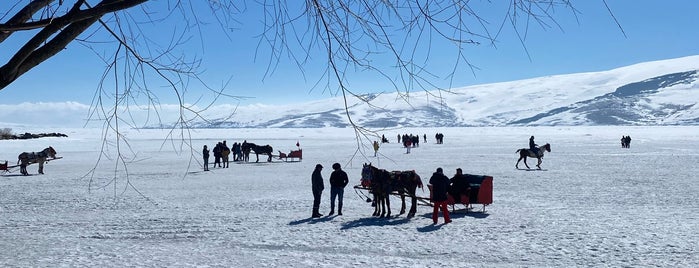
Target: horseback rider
pixel 533 146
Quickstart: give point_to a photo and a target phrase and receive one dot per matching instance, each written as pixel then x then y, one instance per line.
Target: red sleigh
pixel 291 156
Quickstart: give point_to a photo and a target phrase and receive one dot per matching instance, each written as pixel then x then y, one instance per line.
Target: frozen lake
pixel 592 204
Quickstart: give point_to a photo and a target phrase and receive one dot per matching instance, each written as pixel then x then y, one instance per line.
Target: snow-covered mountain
pixel 652 93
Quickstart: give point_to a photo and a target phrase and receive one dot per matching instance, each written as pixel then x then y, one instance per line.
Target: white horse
pixel 25 158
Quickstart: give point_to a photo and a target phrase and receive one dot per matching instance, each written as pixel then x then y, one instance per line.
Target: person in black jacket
pixel 205 154
pixel 338 181
pixel 533 146
pixel 440 185
pixel 317 184
pixel 217 155
pixel 458 186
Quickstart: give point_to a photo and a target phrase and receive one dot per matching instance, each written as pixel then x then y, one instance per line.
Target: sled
pixel 480 192
pixel 297 154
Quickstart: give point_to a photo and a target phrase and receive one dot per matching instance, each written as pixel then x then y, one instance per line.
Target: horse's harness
pixel 35 155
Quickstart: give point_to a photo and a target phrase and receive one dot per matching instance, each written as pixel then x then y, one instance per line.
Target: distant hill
pixel 652 93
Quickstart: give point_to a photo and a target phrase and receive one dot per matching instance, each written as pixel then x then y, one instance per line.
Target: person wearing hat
pixel 338 181
pixel 440 185
pixel 317 184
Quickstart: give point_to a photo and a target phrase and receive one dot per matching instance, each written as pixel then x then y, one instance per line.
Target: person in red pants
pixel 440 186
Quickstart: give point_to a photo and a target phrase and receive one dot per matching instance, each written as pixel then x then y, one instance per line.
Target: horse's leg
pixel 257 156
pixel 517 165
pixel 388 205
pixel 402 207
pixel 525 162
pixel 413 203
pixel 41 166
pixel 376 205
pixel 538 164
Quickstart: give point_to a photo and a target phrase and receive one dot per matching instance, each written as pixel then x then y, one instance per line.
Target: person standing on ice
pixel 440 185
pixel 338 181
pixel 376 147
pixel 317 185
pixel 205 154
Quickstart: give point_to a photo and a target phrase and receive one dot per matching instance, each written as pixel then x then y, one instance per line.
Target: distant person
pixel 236 152
pixel 376 147
pixel 440 185
pixel 317 187
pixel 398 138
pixel 623 141
pixel 225 152
pixel 217 155
pixel 338 181
pixel 424 136
pixel 205 154
pixel 532 146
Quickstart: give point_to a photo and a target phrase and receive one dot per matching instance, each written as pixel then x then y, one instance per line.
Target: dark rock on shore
pixel 28 135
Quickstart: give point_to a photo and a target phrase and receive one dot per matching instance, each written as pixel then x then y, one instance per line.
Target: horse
pixel 267 149
pixel 26 158
pixel 382 183
pixel 524 153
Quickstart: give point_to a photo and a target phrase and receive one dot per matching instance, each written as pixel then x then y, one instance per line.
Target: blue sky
pixel 655 30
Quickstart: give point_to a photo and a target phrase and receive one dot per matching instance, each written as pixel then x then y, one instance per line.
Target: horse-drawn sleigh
pixel 27 158
pixel 381 184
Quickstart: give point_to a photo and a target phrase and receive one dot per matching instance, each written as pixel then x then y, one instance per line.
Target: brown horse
pixel 25 158
pixel 524 153
pixel 248 146
pixel 382 183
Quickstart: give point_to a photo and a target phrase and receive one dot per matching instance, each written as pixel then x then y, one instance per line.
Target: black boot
pixel 316 214
pixel 339 211
pixel 332 211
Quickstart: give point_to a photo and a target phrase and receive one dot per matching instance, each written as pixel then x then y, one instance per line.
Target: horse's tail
pixel 419 180
pixel 518 151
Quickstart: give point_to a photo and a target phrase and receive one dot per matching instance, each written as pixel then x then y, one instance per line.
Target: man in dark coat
pixel 317 184
pixel 440 185
pixel 205 154
pixel 217 155
pixel 458 185
pixel 338 181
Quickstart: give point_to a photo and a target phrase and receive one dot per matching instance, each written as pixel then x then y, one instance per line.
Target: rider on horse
pixel 533 146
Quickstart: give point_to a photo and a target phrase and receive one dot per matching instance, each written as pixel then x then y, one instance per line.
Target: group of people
pixel 410 141
pixel 443 187
pixel 439 137
pixel 222 154
pixel 338 182
pixel 625 141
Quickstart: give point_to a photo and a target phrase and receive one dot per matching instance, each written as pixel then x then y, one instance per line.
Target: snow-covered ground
pixel 593 204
